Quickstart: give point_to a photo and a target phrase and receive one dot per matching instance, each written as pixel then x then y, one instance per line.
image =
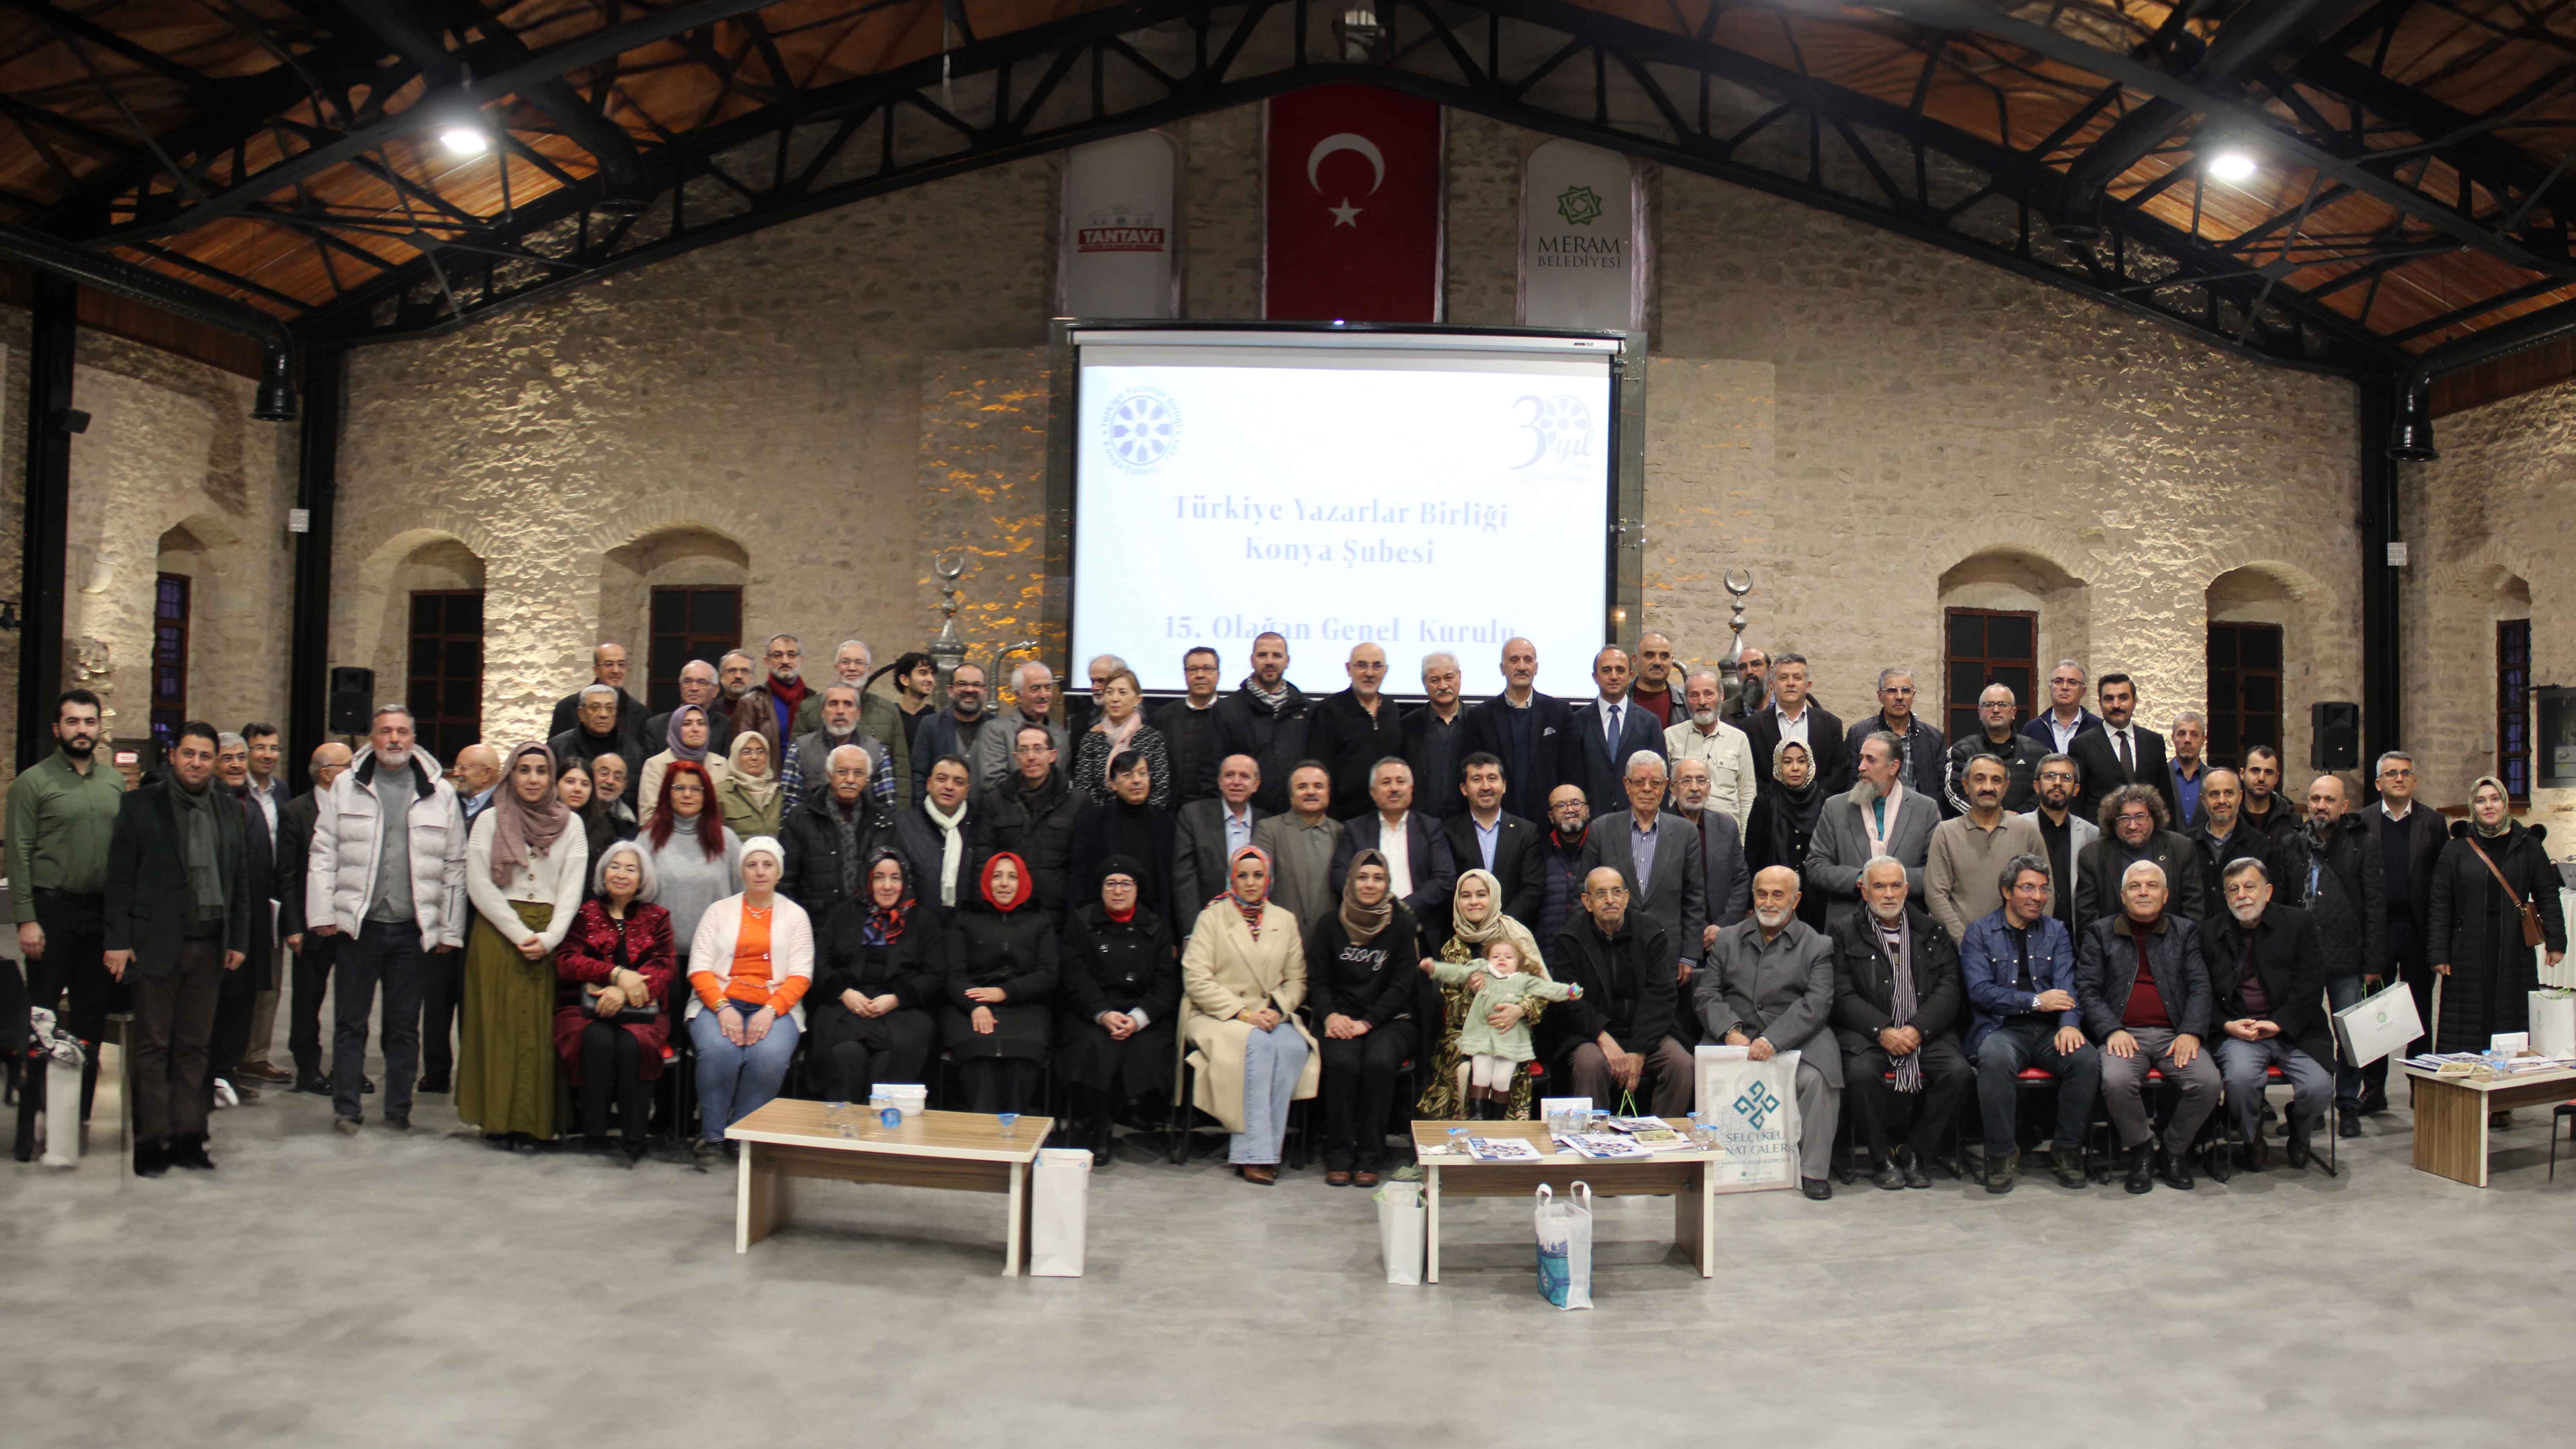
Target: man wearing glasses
pixel 2066 717
pixel 2062 832
pixel 2408 836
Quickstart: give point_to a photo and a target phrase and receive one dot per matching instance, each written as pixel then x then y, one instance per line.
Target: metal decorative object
pixel 947 651
pixel 1732 666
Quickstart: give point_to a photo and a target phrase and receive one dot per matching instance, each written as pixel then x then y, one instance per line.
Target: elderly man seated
pixel 1617 1038
pixel 1896 1012
pixel 2267 978
pixel 1768 984
pixel 2144 993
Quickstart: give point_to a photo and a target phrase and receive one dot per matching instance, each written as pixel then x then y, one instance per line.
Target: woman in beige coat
pixel 1243 976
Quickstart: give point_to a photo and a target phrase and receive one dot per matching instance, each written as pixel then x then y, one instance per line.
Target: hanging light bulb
pixel 2232 164
pixel 463 140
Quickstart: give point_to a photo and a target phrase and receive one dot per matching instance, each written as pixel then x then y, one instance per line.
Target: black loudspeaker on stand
pixel 2334 735
pixel 353 700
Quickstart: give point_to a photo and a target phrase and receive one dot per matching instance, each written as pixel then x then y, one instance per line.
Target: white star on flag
pixel 1345 214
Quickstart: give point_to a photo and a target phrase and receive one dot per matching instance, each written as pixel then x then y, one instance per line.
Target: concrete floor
pixel 395 1291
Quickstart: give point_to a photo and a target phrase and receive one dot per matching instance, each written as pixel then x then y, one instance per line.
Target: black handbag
pixel 629 1015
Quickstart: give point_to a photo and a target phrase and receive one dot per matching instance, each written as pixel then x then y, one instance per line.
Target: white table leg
pixel 1431 1219
pixel 742 1203
pixel 2484 1145
pixel 1019 1220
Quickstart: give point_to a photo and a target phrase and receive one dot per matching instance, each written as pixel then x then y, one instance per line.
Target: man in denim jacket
pixel 2018 962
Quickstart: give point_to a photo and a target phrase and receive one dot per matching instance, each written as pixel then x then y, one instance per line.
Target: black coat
pixel 294 846
pixel 2426 833
pixel 259 874
pixel 1349 742
pixel 1427 860
pixel 1865 980
pixel 2350 906
pixel 1518 846
pixel 2475 928
pixel 2106 968
pixel 2021 766
pixel 631 723
pixel 1588 757
pixel 146 908
pixel 1189 745
pixel 2288 963
pixel 1627 981
pixel 2242 843
pixel 2099 866
pixel 1835 769
pixel 811 874
pixel 1016 953
pixel 1551 725
pixel 1378 982
pixel 909 969
pixel 1437 760
pixel 1119 965
pixel 1274 738
pixel 579 744
pixel 1096 838
pixel 923 845
pixel 1038 828
pixel 2101 774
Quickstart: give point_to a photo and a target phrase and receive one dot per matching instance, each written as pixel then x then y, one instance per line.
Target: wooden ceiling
pixel 2409 155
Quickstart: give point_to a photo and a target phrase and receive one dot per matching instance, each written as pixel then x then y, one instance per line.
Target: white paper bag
pixel 1058 1211
pixel 1401 1231
pixel 2553 1023
pixel 2375 1026
pixel 62 1113
pixel 1754 1107
pixel 1565 1246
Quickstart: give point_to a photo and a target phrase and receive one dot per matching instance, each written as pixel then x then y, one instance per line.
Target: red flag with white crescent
pixel 1353 206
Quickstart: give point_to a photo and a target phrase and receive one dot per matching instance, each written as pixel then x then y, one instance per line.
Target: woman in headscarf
pixel 1121 728
pixel 749 969
pixel 526 862
pixel 1363 990
pixel 1129 824
pixel 1476 919
pixel 1000 980
pixel 1244 974
pixel 876 979
pixel 684 738
pixel 1784 820
pixel 611 981
pixel 749 795
pixel 1120 988
pixel 2474 934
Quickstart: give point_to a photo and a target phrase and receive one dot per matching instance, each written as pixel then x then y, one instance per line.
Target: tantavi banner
pixel 1120 228
pixel 1579 251
pixel 1353 206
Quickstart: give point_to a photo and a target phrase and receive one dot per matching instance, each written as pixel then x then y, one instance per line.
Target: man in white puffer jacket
pixel 386 873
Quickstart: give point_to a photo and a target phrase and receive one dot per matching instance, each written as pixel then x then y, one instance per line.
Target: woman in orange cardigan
pixel 749 967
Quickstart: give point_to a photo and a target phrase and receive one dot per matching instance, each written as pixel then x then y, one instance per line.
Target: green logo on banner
pixel 1580 205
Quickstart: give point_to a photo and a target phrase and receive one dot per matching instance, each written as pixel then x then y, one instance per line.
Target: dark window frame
pixel 667 651
pixel 171 636
pixel 1959 717
pixel 442 730
pixel 2513 708
pixel 2227 711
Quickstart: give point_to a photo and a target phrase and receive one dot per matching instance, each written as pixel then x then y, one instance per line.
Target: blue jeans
pixel 2343 991
pixel 736 1081
pixel 2240 1066
pixel 2013 1048
pixel 1272 1061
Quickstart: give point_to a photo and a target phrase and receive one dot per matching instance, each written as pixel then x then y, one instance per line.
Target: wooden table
pixel 961 1151
pixel 1685 1175
pixel 2451 1116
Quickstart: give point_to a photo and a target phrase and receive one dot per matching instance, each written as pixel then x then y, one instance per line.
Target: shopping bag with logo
pixel 1400 1231
pixel 1565 1246
pixel 2553 1023
pixel 2374 1026
pixel 1754 1107
pixel 1059 1212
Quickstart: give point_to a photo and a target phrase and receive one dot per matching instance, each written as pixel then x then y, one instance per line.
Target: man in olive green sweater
pixel 62 809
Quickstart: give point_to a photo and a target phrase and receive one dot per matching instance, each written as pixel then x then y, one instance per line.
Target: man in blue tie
pixel 1610 729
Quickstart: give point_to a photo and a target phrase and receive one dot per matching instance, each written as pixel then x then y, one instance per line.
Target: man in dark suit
pixel 268 795
pixel 237 1000
pixel 607 666
pixel 1795 715
pixel 2267 979
pixel 1348 732
pixel 1528 731
pixel 1729 891
pixel 177 918
pixel 1485 837
pixel 1206 835
pixel 2408 837
pixel 2065 717
pixel 2121 752
pixel 1608 730
pixel 311 956
pixel 1911 1034
pixel 1657 855
pixel 1416 850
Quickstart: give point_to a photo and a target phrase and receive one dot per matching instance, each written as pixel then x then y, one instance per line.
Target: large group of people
pixel 1236 901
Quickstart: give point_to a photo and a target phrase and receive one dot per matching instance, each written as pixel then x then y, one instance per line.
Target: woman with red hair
pixel 696 860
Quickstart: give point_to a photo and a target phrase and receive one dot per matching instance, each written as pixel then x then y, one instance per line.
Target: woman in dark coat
pixel 1129 825
pixel 876 981
pixel 2474 936
pixel 1122 991
pixel 1364 994
pixel 618 955
pixel 1000 979
pixel 1784 820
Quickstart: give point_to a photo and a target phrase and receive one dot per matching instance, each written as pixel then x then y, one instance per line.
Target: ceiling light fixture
pixel 464 140
pixel 2232 164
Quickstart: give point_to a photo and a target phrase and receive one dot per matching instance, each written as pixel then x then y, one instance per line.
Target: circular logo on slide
pixel 1143 425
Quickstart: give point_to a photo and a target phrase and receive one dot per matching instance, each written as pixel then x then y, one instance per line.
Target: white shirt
pixel 2125 738
pixel 1613 716
pixel 1399 861
pixel 2064 734
pixel 1795 728
pixel 2395 814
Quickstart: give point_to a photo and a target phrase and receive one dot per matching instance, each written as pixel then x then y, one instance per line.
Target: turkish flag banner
pixel 1353 207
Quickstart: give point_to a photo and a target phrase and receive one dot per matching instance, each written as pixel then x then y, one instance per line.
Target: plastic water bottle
pixel 836 1115
pixel 1010 1123
pixel 1457 1141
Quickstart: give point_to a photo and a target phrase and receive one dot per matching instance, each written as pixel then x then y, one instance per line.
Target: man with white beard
pixel 1732 777
pixel 1881 814
pixel 1768 985
pixel 2266 972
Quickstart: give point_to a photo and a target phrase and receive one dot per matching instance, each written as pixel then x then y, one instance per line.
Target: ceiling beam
pixel 2248 37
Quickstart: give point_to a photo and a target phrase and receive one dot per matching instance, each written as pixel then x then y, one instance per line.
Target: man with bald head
pixel 1608 731
pixel 1265 718
pixel 477 771
pixel 309 956
pixel 607 666
pixel 2330 868
pixel 1768 985
pixel 1617 1038
pixel 699 686
pixel 1653 689
pixel 1207 833
pixel 1659 857
pixel 1528 731
pixel 1897 1006
pixel 1352 729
